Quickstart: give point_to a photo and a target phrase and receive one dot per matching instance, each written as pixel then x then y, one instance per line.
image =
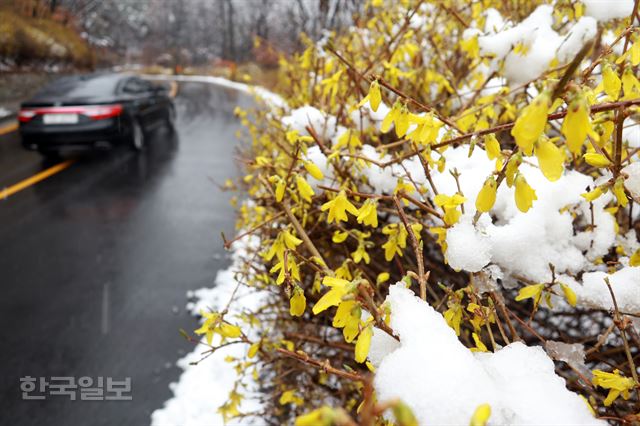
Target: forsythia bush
pixel 482 153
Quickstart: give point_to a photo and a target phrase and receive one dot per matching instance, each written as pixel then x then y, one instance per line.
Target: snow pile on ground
pixel 528 48
pixel 204 387
pixel 443 382
pixel 605 10
pixel 267 96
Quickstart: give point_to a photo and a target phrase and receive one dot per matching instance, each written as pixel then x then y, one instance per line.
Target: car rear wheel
pixel 137 136
pixel 50 155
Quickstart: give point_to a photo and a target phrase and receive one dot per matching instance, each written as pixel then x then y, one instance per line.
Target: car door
pixel 142 102
pixel 156 107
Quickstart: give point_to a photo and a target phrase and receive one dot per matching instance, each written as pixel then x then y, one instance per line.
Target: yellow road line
pixel 9 128
pixel 35 179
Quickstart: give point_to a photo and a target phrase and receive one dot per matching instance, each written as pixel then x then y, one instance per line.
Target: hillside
pixel 27 40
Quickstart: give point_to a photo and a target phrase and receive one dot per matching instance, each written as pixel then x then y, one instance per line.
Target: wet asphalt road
pixel 95 262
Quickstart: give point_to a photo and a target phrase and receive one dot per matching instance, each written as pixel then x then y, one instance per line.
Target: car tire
pixel 50 156
pixel 136 136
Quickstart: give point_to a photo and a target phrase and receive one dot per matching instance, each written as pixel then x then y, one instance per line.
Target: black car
pixel 93 111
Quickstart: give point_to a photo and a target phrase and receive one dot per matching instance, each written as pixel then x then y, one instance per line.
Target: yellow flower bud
pixel 314 170
pixel 596 160
pixel 592 195
pixel 481 415
pixel 492 146
pixel 530 124
pixel 550 159
pixel 374 95
pixel 304 189
pixel 363 343
pixel 524 194
pixel 569 294
pixel 297 303
pixel 487 195
pixel 618 191
pixel 611 82
pixel 576 124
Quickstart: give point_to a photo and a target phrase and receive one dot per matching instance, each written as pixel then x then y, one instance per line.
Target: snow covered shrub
pixel 446 209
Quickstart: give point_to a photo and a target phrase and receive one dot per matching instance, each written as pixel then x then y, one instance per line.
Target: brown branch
pixel 417 248
pixel 322 365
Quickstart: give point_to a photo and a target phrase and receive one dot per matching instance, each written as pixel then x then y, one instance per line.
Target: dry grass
pixel 27 40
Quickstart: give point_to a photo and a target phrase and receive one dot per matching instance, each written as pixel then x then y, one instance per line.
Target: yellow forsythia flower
pixel 480 347
pixel 487 195
pixel 313 170
pixel 492 146
pixel 630 85
pixel 338 208
pixel 611 82
pixel 403 414
pixel 592 195
pixel 512 169
pixel 524 194
pixel 339 236
pixel 450 206
pixel 324 416
pixel 481 415
pixel 618 191
pixel 577 124
pixel 550 159
pixel 383 277
pixel 305 190
pixel 280 187
pixel 290 396
pixel 363 343
pixel 290 241
pixel 374 95
pixel 253 350
pixel 390 118
pixel 596 160
pixel 368 214
pixel 334 296
pixel 297 303
pixel 615 382
pixel 531 122
pixel 533 291
pixel 634 260
pixel 228 330
pixel 569 294
pixel 453 317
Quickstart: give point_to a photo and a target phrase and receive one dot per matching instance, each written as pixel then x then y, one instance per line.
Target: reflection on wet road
pixel 95 262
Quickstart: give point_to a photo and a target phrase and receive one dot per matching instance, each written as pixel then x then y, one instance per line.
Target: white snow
pixel 467 248
pixel 4 112
pixel 593 290
pixel 632 182
pixel 510 239
pixel 540 41
pixel 323 124
pixel 443 382
pixel 204 387
pixel 605 10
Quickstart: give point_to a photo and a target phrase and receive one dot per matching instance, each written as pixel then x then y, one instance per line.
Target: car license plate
pixel 60 118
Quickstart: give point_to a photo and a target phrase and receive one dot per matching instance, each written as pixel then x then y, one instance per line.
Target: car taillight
pixel 25 115
pixel 100 112
pixel 94 112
